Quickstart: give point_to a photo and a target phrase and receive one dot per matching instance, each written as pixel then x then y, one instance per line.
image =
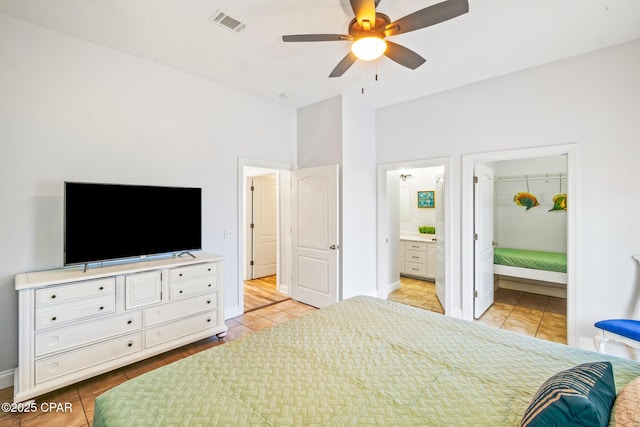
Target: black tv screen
pixel 113 221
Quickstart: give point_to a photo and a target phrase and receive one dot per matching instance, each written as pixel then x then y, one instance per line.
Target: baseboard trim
pixel 613 348
pixel 230 313
pixel 540 288
pixel 6 379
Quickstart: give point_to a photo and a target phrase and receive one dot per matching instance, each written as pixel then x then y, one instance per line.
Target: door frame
pixel 573 245
pixel 283 269
pixel 382 245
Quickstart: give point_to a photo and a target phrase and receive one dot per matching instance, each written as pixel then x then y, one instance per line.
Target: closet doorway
pixel 414 266
pixel 513 201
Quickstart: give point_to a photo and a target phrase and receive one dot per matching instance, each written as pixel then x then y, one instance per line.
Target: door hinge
pixel 475 294
pixel 475 236
pixel 251 225
pixel 475 179
pixel 253 188
pixel 251 262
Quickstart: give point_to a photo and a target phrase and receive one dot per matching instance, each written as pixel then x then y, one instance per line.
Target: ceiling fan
pixel 369 28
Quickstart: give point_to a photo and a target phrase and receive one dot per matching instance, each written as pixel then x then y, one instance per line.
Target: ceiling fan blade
pixel 344 65
pixel 365 10
pixel 403 55
pixel 316 38
pixel 428 16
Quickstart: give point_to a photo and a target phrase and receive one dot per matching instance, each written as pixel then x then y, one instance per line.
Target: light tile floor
pixel 530 314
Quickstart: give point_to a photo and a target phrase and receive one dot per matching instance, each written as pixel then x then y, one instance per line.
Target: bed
pixel 534 265
pixel 362 361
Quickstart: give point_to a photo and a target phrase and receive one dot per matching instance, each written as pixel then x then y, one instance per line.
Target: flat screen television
pixel 113 221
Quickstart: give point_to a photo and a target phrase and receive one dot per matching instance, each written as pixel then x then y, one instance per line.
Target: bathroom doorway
pixel 413 198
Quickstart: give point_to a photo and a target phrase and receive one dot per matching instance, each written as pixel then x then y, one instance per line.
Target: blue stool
pixel 622 330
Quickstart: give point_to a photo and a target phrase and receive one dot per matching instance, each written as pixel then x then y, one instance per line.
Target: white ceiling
pixel 496 37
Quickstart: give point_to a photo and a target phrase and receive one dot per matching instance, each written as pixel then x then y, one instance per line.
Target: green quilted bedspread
pixel 538 260
pixel 364 361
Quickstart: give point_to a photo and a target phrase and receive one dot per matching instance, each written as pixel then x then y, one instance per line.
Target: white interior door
pixel 483 235
pixel 315 235
pixel 440 240
pixel 264 225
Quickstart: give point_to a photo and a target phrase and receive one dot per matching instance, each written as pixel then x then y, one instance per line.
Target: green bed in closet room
pixel 536 260
pixel 369 361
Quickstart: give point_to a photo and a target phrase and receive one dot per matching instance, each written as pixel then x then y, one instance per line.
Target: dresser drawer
pixel 76 291
pixel 180 328
pixel 86 332
pixel 415 256
pixel 71 361
pixel 186 307
pixel 189 288
pixel 415 269
pixel 57 315
pixel 192 271
pixel 415 246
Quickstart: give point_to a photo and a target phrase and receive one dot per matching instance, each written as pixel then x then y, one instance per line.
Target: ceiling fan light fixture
pixel 369 48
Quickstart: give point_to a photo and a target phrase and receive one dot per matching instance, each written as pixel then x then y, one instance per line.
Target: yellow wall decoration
pixel 559 203
pixel 526 199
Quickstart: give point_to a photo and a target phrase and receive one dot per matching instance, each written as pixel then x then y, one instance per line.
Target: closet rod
pixel 536 177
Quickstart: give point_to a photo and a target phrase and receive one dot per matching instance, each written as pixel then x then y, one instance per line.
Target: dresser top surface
pixel 78 273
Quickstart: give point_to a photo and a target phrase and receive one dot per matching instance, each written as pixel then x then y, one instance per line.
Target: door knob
pixel 334 247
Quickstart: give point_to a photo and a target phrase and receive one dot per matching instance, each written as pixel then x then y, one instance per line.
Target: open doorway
pixel 413 228
pixel 261 270
pixel 527 219
pixel 261 231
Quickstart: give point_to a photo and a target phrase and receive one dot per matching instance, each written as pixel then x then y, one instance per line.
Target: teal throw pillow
pixel 580 396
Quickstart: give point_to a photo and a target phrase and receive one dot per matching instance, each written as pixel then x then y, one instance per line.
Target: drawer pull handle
pixel 180 291
pixel 53 296
pixel 180 275
pixel 415 257
pixel 101 307
pixel 130 321
pixel 209 285
pixel 208 301
pixel 130 344
pixel 208 319
pixel 102 288
pixel 53 318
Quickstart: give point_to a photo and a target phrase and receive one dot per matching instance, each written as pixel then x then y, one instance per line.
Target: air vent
pixel 224 20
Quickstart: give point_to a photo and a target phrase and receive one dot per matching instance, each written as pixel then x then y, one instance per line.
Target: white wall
pixel 320 133
pixel 358 199
pixel 411 216
pixel 592 100
pixel 73 110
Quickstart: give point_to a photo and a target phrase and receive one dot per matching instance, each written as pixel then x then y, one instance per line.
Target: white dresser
pixel 418 258
pixel 75 324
